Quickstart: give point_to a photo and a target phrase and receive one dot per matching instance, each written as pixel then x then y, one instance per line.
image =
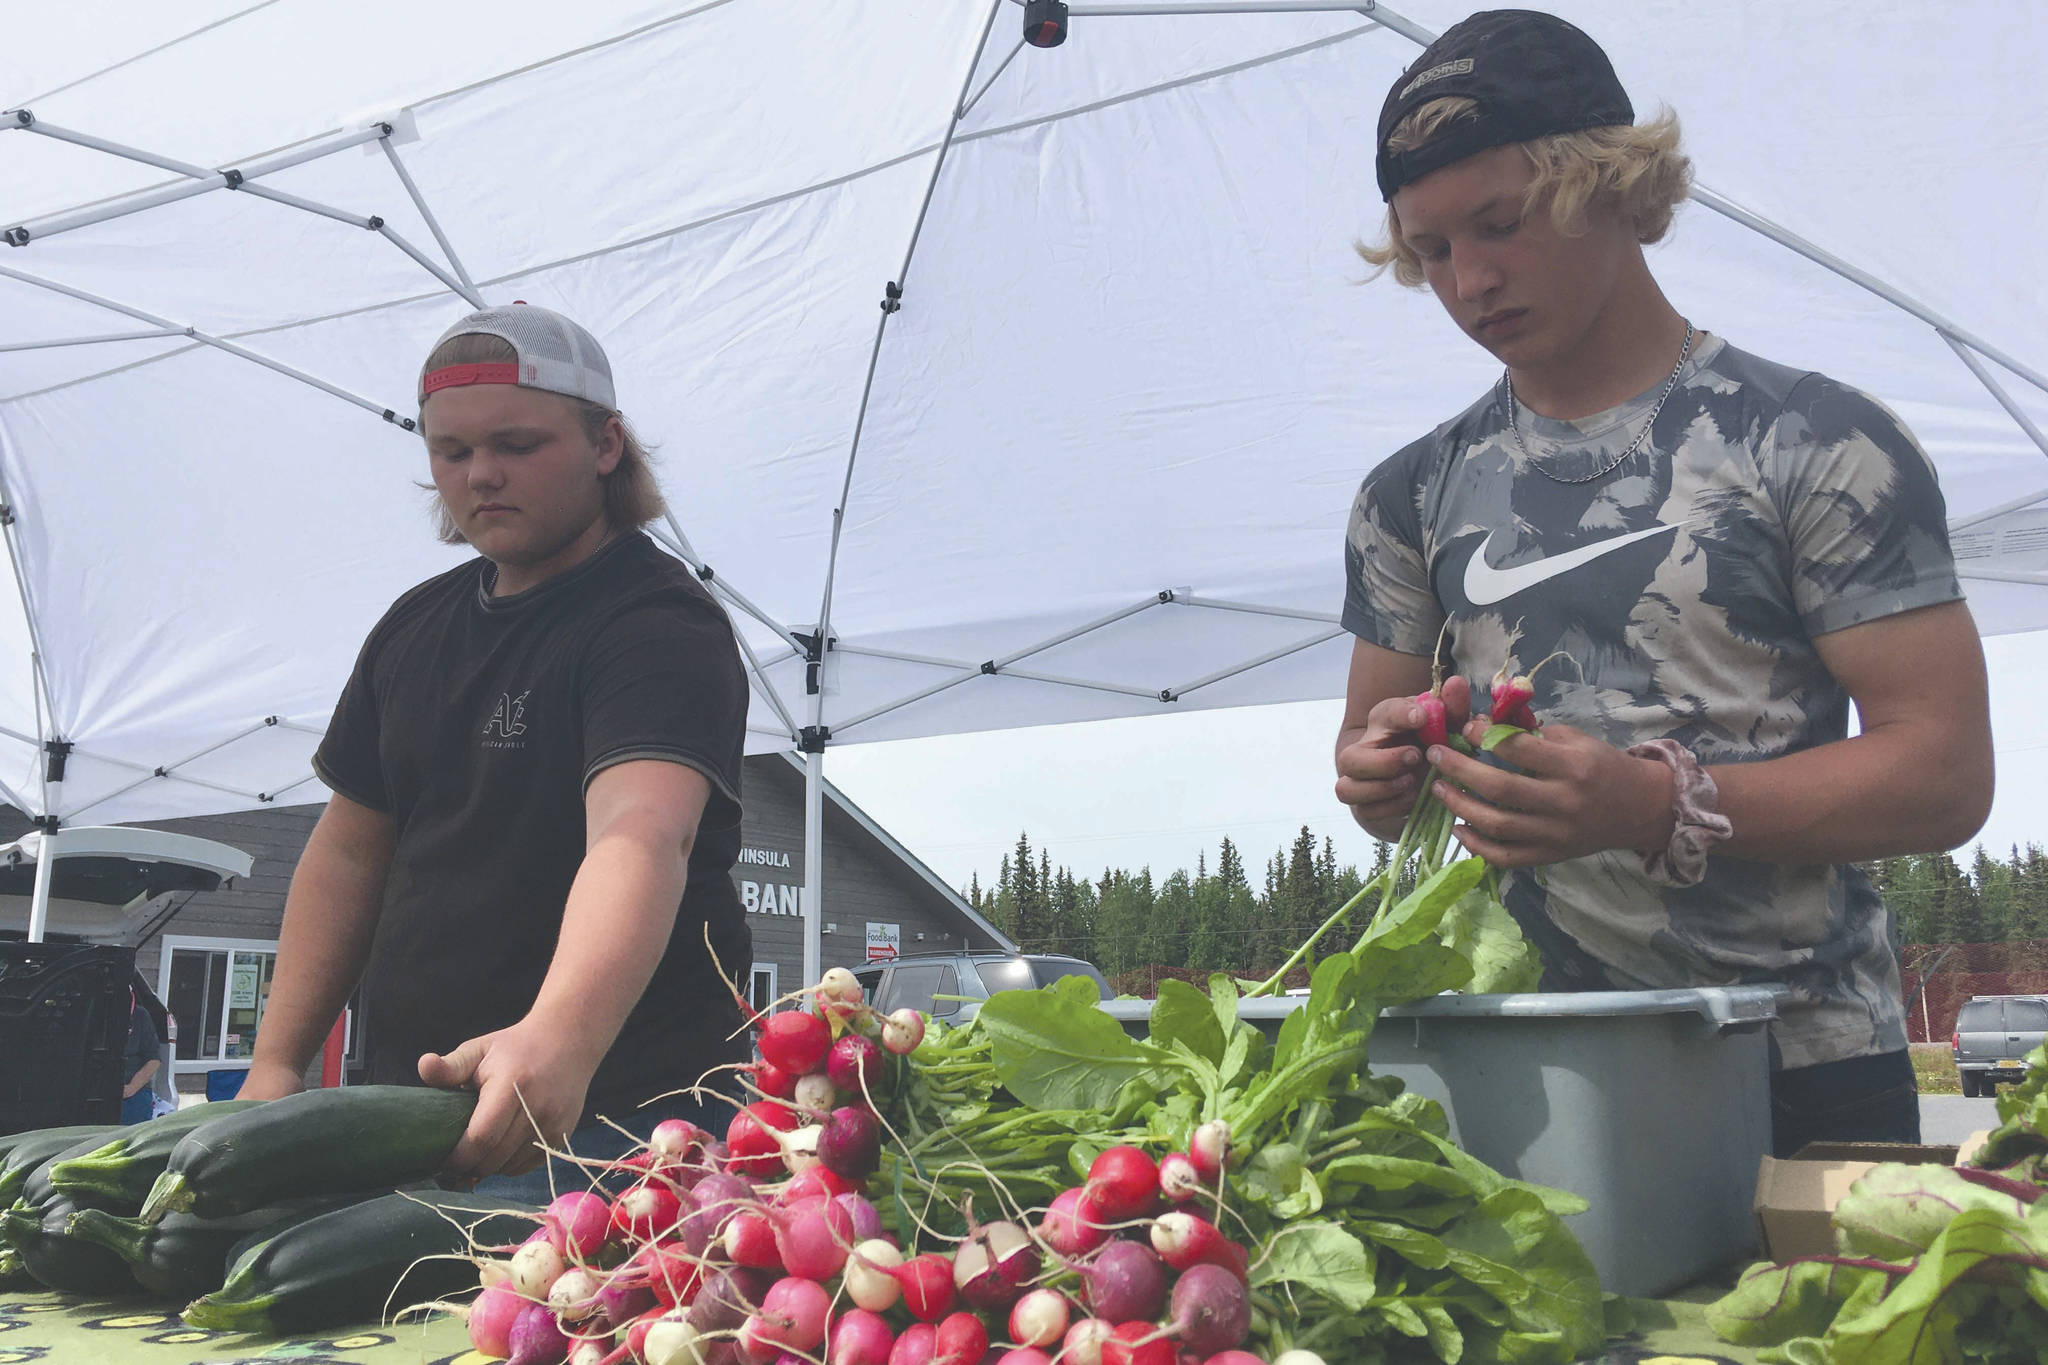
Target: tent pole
pixel 814 865
pixel 39 899
pixel 1990 381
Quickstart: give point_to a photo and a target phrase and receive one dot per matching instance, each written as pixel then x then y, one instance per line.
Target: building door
pixel 218 989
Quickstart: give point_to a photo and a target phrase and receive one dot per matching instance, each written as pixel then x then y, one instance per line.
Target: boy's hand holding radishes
pixel 1566 795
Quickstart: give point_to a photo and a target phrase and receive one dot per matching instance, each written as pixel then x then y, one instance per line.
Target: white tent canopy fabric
pixel 1098 463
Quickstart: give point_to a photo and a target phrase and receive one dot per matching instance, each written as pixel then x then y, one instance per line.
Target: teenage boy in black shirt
pixel 535 767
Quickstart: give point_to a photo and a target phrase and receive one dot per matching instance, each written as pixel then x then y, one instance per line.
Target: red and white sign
pixel 885 942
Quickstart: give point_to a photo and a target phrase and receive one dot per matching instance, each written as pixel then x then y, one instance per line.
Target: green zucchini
pixel 12 1276
pixel 360 1262
pixel 183 1257
pixel 26 1151
pixel 121 1171
pixel 367 1137
pixel 40 1236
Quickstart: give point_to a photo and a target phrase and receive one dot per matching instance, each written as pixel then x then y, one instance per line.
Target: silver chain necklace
pixel 1515 430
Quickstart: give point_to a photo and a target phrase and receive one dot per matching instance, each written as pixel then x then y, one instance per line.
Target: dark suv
pixel 1994 1034
pixel 921 981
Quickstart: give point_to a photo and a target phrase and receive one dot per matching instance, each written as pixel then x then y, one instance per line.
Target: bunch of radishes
pixel 762 1250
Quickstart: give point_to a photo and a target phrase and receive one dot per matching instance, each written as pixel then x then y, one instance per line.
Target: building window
pixel 761 990
pixel 218 989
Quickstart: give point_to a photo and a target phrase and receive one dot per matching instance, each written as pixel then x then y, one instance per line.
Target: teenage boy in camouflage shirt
pixel 1724 552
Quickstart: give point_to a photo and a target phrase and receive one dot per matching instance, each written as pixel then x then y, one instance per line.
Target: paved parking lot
pixel 1951 1118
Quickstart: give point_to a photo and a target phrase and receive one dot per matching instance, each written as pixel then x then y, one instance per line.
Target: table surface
pixel 42 1326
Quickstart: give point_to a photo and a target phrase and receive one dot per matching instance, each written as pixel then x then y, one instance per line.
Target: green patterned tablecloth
pixel 50 1327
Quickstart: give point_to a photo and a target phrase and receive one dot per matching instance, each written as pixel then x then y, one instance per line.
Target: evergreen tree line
pixel 1212 919
pixel 1215 918
pixel 1936 901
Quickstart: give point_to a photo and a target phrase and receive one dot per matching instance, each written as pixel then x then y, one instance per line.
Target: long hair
pixel 1638 169
pixel 632 497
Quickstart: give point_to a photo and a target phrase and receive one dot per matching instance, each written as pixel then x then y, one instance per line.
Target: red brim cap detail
pixel 455 376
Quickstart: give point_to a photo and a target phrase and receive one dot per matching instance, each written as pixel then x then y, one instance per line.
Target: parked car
pixel 1994 1034
pixel 922 981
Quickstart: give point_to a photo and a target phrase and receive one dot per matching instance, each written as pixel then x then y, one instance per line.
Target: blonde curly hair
pixel 1638 168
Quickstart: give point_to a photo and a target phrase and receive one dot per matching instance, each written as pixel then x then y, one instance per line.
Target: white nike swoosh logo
pixel 1485 585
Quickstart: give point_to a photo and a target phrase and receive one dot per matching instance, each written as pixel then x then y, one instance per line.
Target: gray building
pixel 210 953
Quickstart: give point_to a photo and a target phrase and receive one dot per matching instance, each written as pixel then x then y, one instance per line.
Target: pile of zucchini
pixel 262 1216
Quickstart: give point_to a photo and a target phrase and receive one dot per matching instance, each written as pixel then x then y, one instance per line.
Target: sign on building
pixel 885 942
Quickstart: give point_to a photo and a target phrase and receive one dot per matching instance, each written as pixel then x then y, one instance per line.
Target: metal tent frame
pixel 802 655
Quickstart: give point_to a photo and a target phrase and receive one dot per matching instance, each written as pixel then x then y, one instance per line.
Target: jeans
pixel 602 1142
pixel 1858 1099
pixel 138 1107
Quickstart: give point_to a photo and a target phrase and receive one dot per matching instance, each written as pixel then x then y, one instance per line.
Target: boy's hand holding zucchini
pixel 317 1142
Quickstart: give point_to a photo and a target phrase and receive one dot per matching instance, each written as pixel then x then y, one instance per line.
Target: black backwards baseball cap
pixel 1531 75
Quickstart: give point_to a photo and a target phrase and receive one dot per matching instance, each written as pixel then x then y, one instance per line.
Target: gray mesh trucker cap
pixel 555 354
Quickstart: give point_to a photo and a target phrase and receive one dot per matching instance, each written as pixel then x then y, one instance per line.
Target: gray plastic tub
pixel 1653 1105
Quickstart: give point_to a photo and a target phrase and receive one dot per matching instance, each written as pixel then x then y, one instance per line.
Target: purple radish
pixel 1211 1312
pixel 855 1065
pixel 850 1142
pixel 621 1303
pixel 1126 1283
pixel 727 1298
pixel 991 1267
pixel 537 1338
pixel 866 1222
pixel 714 1200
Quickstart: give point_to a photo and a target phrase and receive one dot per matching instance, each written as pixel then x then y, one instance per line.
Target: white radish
pixel 573 1295
pixel 815 1093
pixel 1297 1356
pixel 800 1149
pixel 535 1268
pixel 868 1281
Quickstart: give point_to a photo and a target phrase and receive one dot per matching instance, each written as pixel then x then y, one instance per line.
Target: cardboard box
pixel 1796 1196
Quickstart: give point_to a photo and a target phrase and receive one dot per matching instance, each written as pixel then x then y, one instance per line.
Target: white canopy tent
pixel 1092 454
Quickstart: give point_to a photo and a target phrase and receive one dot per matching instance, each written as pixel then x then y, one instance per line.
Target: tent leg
pixel 814 866
pixel 39 901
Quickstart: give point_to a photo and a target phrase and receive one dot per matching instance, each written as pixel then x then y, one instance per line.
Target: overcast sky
pixel 1158 790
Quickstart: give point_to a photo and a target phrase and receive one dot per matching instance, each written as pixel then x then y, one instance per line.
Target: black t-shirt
pixel 476 723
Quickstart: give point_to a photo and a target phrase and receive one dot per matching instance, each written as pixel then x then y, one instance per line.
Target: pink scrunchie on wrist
pixel 1699 826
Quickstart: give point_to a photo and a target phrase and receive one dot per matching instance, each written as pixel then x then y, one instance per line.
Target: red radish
pixel 1024 1355
pixel 866 1222
pixel 676 1140
pixel 990 1268
pixel 855 1066
pixel 1210 1150
pixel 1137 1343
pixel 1069 1226
pixel 869 1282
pixel 773 1081
pixel 577 1224
pixel 491 1317
pixel 903 1031
pixel 535 1268
pixel 800 1149
pixel 838 995
pixel 860 1338
pixel 815 1093
pixel 755 1137
pixel 1122 1183
pixel 927 1283
pixel 817 1183
pixel 1432 728
pixel 796 1041
pixel 1084 1341
pixel 1126 1282
pixel 850 1144
pixel 812 1238
pixel 536 1338
pixel 648 1210
pixel 960 1340
pixel 792 1316
pixel 914 1346
pixel 1184 1239
pixel 750 1241
pixel 671 1274
pixel 1179 1181
pixel 1039 1318
pixel 1233 1358
pixel 1210 1310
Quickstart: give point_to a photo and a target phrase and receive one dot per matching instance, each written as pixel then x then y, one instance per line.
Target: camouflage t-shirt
pixel 1685 589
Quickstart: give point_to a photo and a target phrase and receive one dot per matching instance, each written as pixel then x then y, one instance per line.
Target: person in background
pixel 535 768
pixel 139 1064
pixel 1722 553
